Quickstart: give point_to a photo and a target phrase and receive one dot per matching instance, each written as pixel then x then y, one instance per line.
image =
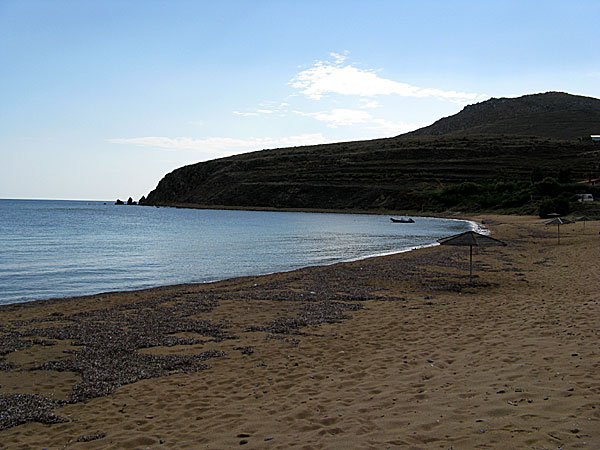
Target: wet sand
pixel 390 352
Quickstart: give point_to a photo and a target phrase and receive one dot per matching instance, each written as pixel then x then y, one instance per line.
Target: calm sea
pixel 67 248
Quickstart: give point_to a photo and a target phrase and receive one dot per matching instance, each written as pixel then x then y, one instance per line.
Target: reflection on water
pixel 66 248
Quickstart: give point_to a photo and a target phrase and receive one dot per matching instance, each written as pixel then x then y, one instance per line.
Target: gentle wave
pixel 68 248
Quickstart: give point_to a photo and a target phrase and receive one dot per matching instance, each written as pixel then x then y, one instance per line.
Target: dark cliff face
pixel 393 173
pixel 553 114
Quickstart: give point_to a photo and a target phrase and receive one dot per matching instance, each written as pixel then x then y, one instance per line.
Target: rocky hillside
pixel 552 114
pixel 401 173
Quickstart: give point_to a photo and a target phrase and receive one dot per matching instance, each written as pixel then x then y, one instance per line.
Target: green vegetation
pixel 543 197
pixel 485 196
pixel 477 173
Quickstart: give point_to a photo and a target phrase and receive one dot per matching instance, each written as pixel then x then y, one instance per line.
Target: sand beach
pixel 390 352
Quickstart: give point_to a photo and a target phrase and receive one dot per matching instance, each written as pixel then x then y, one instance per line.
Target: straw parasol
pixel 471 238
pixel 558 221
pixel 583 219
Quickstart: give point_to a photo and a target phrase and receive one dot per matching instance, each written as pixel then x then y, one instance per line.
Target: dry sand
pixel 392 352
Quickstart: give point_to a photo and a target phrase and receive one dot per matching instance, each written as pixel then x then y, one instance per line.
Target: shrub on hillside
pixel 548 187
pixel 559 205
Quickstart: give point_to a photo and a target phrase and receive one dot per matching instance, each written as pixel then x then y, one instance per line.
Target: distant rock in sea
pixel 129 201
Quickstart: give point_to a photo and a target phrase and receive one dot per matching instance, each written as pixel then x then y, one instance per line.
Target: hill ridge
pixel 406 172
pixel 550 114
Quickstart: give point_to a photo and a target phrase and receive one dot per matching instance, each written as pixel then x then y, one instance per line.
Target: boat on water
pixel 403 220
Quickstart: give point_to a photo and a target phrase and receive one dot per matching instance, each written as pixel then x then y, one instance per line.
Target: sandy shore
pixel 390 352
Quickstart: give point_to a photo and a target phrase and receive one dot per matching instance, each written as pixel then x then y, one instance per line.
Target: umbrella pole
pixel 558 227
pixel 470 264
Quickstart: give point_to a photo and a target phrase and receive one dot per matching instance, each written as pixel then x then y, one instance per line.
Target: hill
pixel 552 114
pixel 408 172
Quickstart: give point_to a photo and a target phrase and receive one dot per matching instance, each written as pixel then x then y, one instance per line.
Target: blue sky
pixel 100 99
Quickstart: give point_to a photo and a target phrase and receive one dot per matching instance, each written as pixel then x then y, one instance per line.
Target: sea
pixel 60 248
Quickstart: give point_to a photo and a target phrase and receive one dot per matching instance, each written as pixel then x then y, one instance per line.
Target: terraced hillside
pixel 395 173
pixel 505 139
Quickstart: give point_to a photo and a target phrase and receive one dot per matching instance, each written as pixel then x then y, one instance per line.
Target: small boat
pixel 409 220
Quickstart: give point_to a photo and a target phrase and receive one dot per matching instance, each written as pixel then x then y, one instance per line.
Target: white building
pixel 595 137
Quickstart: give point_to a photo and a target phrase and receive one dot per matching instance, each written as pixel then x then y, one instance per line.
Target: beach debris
pixel 107 341
pixel 13 341
pixel 292 341
pixel 247 350
pixel 111 338
pixel 7 366
pixel 105 369
pixel 312 314
pixel 16 409
pixel 91 437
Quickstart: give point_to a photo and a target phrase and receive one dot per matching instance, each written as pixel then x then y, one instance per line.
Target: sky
pixel 100 99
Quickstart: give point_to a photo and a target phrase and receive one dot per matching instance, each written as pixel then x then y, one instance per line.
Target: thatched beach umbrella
pixel 583 219
pixel 558 222
pixel 471 238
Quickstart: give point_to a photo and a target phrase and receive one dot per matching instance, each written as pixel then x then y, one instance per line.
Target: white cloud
pixel 349 117
pixel 339 117
pixel 369 104
pixel 222 144
pixel 391 128
pixel 339 58
pixel 335 78
pixel 245 114
pixel 255 113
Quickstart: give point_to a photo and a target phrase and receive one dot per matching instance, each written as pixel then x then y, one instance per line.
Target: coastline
pixel 380 212
pixel 284 259
pixel 393 351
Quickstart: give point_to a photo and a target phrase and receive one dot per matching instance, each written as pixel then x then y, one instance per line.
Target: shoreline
pixel 380 212
pixel 395 351
pixel 475 226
